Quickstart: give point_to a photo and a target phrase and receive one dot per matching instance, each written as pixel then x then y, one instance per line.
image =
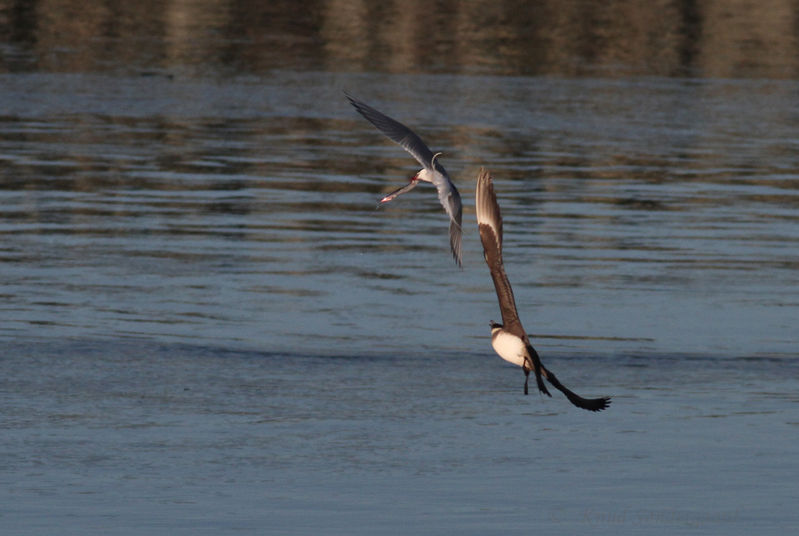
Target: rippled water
pixel 641 217
pixel 210 327
pixel 207 327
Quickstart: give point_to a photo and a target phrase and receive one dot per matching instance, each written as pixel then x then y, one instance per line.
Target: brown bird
pixel 509 339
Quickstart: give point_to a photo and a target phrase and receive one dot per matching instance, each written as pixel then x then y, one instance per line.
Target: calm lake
pixel 206 327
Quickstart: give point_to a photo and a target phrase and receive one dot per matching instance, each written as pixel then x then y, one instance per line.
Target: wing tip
pixel 589 404
pixel 484 181
pixel 483 175
pixel 361 107
pixel 600 404
pixel 486 206
pixel 456 242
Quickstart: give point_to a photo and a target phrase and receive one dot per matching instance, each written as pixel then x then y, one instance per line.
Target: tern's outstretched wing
pixel 396 131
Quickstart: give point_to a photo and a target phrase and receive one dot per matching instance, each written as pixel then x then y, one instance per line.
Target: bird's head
pixel 494 326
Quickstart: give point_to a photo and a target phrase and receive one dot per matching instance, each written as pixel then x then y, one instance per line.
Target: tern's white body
pixel 509 347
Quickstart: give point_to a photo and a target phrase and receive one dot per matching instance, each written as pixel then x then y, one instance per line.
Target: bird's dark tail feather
pixel 591 404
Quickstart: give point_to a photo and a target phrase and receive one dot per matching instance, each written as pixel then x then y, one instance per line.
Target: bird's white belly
pixel 510 348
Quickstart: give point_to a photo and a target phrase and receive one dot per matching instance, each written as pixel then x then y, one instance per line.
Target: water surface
pixel 639 216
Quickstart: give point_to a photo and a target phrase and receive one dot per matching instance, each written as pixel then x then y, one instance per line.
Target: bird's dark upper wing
pixel 397 132
pixel 489 221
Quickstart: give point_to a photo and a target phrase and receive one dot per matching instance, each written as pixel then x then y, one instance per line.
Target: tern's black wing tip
pixel 359 105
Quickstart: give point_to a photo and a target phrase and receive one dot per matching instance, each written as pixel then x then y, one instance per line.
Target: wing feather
pixel 450 199
pixel 395 131
pixel 489 221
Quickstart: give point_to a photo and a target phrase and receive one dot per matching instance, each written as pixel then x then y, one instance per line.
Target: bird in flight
pixel 509 339
pixel 432 171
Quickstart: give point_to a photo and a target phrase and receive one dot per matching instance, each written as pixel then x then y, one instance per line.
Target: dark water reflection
pixel 571 38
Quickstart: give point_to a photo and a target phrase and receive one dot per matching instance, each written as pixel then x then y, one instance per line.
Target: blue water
pixel 168 438
pixel 207 328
